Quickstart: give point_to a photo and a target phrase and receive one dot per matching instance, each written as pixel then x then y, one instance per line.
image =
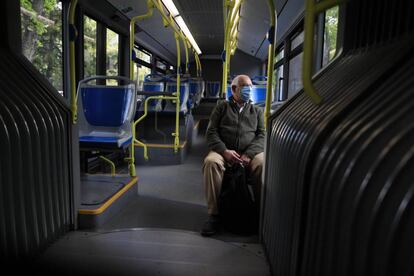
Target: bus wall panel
pixel 338 191
pixel 308 211
pixel 36 200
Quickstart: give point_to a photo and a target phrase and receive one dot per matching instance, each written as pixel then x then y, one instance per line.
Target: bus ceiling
pixel 205 22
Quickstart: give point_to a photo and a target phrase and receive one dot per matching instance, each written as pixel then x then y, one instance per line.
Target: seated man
pixel 235 134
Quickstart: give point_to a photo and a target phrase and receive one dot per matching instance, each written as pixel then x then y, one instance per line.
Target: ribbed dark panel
pixel 339 176
pixel 374 22
pixel 35 197
pixel 360 197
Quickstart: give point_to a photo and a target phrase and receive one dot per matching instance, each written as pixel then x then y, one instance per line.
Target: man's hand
pixel 246 159
pixel 232 156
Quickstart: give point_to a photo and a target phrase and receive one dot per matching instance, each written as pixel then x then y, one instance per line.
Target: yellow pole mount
pixel 73 34
pixel 312 9
pixel 270 60
pixel 150 7
pixel 232 10
pixel 112 164
pixel 167 21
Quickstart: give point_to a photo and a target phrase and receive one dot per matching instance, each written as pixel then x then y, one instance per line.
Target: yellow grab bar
pixel 198 64
pixel 72 71
pixel 186 53
pixel 270 59
pixel 231 15
pixel 169 19
pixel 311 10
pixel 112 164
pixel 177 103
pixel 178 34
pixel 135 140
pixel 150 7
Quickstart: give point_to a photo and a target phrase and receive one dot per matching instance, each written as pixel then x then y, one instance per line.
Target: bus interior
pixel 104 107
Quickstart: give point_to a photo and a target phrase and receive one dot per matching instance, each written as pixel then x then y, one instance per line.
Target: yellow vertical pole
pixel 308 52
pixel 186 53
pixel 311 10
pixel 72 71
pixel 150 7
pixel 270 60
pixel 177 111
pixel 231 16
pixel 198 64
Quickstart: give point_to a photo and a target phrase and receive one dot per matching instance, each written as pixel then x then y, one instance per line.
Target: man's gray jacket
pixel 243 132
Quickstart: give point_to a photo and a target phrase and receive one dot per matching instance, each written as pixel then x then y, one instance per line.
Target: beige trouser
pixel 213 170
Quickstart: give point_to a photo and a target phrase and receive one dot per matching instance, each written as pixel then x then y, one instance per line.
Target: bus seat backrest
pixel 106 106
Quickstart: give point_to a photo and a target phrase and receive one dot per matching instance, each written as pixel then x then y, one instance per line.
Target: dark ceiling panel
pixel 205 21
pixel 204 18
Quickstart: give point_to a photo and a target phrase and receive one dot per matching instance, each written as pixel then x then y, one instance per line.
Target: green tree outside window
pixel 41 25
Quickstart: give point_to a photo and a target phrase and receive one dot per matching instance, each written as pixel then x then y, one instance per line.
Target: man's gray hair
pixel 235 81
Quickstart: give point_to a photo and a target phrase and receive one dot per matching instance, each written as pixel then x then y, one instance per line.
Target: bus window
pixel 140 74
pixel 42 38
pixel 144 56
pixel 278 81
pixel 330 35
pixel 278 77
pixel 297 40
pixel 295 75
pixel 89 52
pixel 161 65
pixel 112 48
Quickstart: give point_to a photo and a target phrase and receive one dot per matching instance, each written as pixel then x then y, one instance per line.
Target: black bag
pixel 237 208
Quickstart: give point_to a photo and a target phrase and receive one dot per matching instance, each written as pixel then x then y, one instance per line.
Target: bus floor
pixel 157 232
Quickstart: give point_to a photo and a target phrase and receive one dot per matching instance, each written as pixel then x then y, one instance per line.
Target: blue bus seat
pixel 152 83
pixel 171 86
pixel 196 89
pixel 212 89
pixel 106 113
pixel 259 89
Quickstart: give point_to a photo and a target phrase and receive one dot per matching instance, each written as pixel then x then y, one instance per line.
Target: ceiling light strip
pixel 172 9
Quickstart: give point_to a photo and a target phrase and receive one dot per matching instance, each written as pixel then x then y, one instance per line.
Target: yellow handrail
pixel 198 64
pixel 149 13
pixel 135 140
pixel 186 52
pixel 72 72
pixel 231 15
pixel 168 20
pixel 134 19
pixel 177 34
pixel 112 164
pixel 177 103
pixel 270 59
pixel 311 10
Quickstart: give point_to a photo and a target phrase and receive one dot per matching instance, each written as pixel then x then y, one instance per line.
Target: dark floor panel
pixel 150 252
pixel 150 212
pixel 183 183
pixel 96 189
pixel 144 211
